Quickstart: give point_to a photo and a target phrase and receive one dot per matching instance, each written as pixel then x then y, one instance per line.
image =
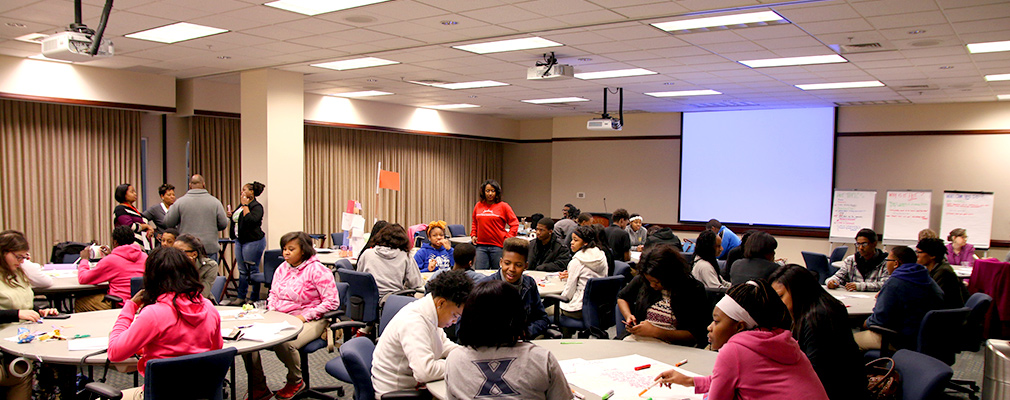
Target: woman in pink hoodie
pixel 174 319
pixel 125 261
pixel 758 357
pixel 302 287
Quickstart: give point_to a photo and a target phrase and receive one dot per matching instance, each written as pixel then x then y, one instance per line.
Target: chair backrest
pixel 343 263
pixel 69 258
pixel 941 333
pixel 818 263
pixel 217 289
pixel 320 237
pixel 163 376
pixel 599 300
pixel 713 295
pixel 392 306
pixel 922 376
pixel 337 239
pixel 136 283
pixel 362 295
pixel 618 318
pixel 271 260
pixel 838 254
pixel 979 304
pixel 457 230
pixel 357 357
pixel 621 268
pixel 342 288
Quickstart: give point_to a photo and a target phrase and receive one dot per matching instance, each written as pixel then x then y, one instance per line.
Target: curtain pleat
pixel 439 176
pixel 59 167
pixel 218 157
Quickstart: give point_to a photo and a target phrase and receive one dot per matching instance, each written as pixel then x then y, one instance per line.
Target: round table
pixel 545 285
pixel 858 304
pixel 65 288
pixel 699 361
pixel 331 257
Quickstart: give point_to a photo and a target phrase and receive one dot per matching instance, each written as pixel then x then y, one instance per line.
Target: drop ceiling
pixel 921 56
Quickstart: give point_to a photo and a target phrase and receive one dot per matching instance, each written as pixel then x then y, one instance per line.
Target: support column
pixel 273 147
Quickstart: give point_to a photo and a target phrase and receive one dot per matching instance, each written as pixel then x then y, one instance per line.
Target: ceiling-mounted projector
pixel 550 69
pixel 73 46
pixel 605 122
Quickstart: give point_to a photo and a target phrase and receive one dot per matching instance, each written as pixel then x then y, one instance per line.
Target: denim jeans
pixel 488 257
pixel 247 257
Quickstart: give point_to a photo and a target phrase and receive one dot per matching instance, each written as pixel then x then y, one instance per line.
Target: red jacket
pixel 125 262
pixel 489 222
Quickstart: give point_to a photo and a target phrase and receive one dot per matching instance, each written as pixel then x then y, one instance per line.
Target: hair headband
pixel 733 310
pixel 639 218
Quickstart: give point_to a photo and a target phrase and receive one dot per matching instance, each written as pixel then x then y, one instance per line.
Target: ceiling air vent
pixel 915 88
pixel 725 104
pixel 871 102
pixel 859 48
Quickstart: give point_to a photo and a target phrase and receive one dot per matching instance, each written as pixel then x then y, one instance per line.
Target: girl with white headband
pixel 758 357
pixel 637 232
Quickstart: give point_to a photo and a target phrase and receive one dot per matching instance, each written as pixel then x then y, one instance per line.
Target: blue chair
pixel 622 269
pixel 356 362
pixel 317 344
pixel 136 283
pixel 217 289
pixel 343 263
pixel 393 305
pixel 70 258
pixel 362 300
pixel 598 305
pixel 922 377
pixel 271 260
pixel 979 304
pixel 838 254
pixel 456 230
pixel 320 237
pixel 818 263
pixel 337 238
pixel 163 377
pixel 940 334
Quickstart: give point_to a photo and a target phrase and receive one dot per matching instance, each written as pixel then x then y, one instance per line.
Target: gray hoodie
pixel 392 269
pixel 524 371
pixel 586 263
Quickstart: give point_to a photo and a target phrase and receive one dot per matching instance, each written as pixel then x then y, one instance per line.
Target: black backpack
pixel 61 249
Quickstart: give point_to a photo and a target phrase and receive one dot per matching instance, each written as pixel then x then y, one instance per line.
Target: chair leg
pixel 966 387
pixel 315 392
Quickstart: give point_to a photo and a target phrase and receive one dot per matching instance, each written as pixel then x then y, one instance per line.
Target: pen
pixel 571 342
pixel 244 326
pixel 682 362
pixel 610 393
pixel 578 395
pixel 641 367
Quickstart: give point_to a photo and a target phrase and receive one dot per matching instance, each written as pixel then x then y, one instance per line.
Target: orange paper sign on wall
pixel 389 180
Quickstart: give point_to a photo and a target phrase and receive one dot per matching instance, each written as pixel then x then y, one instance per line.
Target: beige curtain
pixel 217 156
pixel 60 165
pixel 439 176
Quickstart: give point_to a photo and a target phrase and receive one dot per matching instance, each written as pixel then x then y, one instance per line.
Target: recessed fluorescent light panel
pixel 32 37
pixel 725 21
pixel 44 58
pixel 555 100
pixel 840 85
pixel 1000 77
pixel 508 45
pixel 367 93
pixel 617 73
pixel 177 32
pixel 681 93
pixel 1003 97
pixel 355 63
pixel 452 106
pixel 790 61
pixel 316 7
pixel 469 85
pixel 989 47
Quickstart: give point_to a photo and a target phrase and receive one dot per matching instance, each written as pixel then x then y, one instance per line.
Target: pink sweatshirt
pixel 164 329
pixel 761 364
pixel 125 262
pixel 307 290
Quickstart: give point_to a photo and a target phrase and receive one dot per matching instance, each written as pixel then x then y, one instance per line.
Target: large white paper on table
pixel 618 374
pixel 241 315
pixel 89 344
pixel 260 332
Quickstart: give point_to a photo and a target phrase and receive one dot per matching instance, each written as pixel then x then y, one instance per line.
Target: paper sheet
pixel 618 374
pixel 261 332
pixel 241 315
pixel 88 344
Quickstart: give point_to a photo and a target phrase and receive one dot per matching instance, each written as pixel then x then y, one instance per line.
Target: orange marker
pixel 641 367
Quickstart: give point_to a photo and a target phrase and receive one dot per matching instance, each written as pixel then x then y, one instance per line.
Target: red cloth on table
pixel 992 277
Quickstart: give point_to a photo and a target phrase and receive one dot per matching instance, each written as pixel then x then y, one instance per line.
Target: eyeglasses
pixel 890 260
pixel 21 258
pixel 862 244
pixel 917 251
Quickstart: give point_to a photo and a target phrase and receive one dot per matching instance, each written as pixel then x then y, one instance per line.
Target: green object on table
pixel 79 336
pixel 571 342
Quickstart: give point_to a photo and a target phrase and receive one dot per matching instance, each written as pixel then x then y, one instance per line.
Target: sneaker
pixel 260 394
pixel 290 390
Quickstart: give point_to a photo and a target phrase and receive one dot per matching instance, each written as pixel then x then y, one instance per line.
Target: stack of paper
pixel 618 374
pixel 88 344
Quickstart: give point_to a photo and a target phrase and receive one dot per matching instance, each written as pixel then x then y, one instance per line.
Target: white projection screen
pixel 758 167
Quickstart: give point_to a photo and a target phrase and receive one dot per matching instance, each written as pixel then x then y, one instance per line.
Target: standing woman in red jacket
pixel 493 221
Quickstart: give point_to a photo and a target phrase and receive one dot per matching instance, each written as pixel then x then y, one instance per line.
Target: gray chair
pixel 817 263
pixel 838 254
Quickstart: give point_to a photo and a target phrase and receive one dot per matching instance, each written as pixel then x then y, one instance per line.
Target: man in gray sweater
pixel 199 214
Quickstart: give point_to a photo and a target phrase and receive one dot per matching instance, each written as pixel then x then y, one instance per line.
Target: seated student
pixel 547 253
pixel 930 253
pixel 174 320
pixel 437 254
pixel 729 239
pixel 168 237
pixel 618 239
pixel 758 261
pixel 636 232
pixel 663 303
pixel 928 234
pixel 706 267
pixel 16 304
pixel 566 225
pixel 661 234
pixel 206 268
pixel 865 271
pixel 758 357
pixel 904 299
pixel 413 346
pixel 463 255
pixel 604 244
pixel 736 253
pixel 587 262
pixel 491 336
pixel 959 251
pixel 372 234
pixel 820 325
pixel 125 261
pixel 388 261
pixel 513 264
pixel 303 287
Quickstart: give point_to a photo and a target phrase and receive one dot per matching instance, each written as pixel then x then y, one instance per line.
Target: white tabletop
pixel 858 304
pixel 331 257
pixel 545 285
pixel 65 281
pixel 460 239
pixel 699 361
pixel 961 271
pixel 99 324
